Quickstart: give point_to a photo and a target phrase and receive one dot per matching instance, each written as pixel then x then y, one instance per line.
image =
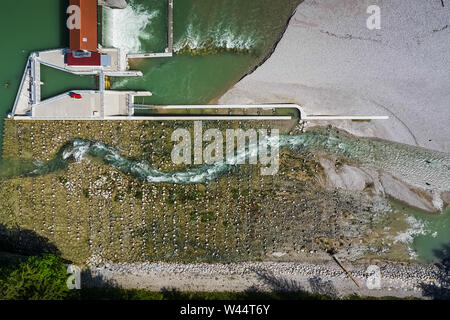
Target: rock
pixel 348 177
pixel 445 196
pixel 372 182
pixel 403 192
pixel 115 4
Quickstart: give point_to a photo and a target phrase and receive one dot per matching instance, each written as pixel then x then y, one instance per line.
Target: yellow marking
pixel 107 83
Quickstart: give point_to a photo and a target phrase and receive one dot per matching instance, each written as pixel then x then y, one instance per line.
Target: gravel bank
pixel 326 278
pixel 329 62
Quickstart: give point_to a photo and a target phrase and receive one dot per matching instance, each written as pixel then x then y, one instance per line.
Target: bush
pixel 38 278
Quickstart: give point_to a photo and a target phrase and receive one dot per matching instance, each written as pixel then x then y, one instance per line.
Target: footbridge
pixel 126 110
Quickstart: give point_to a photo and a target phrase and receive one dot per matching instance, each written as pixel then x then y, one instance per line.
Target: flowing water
pixel 217 42
pixel 141 27
pixel 219 25
pixel 426 233
pixel 404 162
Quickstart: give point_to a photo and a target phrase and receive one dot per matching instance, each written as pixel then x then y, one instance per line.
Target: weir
pixel 36 80
pixel 29 104
pixel 103 104
pixel 170 31
pixel 22 102
pixel 123 108
pixel 169 49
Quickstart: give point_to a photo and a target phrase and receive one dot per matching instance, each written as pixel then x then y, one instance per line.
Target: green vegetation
pixel 44 277
pixel 89 208
pixel 38 278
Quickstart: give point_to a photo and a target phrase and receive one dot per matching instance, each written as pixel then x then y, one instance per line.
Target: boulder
pixel 374 182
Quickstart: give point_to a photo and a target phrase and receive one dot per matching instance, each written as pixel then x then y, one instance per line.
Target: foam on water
pixel 425 169
pixel 126 28
pixel 421 168
pixel 425 165
pixel 80 150
pixel 416 228
pixel 221 37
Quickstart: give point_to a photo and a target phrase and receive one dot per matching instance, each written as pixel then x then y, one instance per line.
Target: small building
pixel 87 58
pixel 86 37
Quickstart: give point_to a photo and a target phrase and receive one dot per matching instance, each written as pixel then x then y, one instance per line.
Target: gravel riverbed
pixel 413 280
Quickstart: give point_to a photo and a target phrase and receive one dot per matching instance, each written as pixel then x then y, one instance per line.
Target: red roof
pixel 86 37
pixel 93 60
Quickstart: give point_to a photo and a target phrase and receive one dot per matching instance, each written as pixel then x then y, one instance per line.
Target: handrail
pixel 19 92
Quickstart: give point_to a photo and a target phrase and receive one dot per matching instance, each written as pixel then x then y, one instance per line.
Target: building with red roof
pixel 85 38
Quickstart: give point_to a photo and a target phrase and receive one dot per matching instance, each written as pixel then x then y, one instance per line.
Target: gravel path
pixel 326 278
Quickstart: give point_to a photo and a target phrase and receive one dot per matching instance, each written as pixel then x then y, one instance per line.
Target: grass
pixel 92 209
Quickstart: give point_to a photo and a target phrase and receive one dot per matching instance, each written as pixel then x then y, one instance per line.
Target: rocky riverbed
pixel 88 208
pixel 324 277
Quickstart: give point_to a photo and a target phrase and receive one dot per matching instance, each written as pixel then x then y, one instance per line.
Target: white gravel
pixel 396 280
pixel 330 63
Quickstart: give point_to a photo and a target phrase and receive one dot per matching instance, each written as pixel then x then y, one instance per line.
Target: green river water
pixel 218 43
pixel 237 35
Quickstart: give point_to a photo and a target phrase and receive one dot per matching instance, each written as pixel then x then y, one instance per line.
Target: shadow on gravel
pixel 95 287
pixel 278 283
pixel 440 292
pixel 25 242
pixel 319 286
pixel 319 289
pixel 89 280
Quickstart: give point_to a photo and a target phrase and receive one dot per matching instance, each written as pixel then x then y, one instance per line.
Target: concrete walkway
pixel 118 105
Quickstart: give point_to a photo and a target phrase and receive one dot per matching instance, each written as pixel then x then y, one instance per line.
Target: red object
pixel 94 60
pixel 85 38
pixel 75 95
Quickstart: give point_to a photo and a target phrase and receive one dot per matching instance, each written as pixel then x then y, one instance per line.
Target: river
pixel 217 43
pixel 426 233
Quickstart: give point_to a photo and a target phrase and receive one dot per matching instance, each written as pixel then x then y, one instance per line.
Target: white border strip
pixel 162 118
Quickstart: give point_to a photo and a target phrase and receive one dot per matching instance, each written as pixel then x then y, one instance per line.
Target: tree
pixel 38 278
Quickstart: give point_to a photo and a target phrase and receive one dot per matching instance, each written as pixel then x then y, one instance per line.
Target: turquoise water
pixel 57 82
pixel 429 232
pixel 26 26
pixel 341 145
pixel 230 37
pixel 203 79
pixel 217 42
pixel 141 27
pixel 29 26
pixel 436 239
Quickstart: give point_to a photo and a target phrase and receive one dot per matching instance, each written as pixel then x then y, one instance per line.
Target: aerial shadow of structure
pixel 280 285
pixel 322 287
pixel 96 280
pixel 25 242
pixel 442 291
pixel 63 30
